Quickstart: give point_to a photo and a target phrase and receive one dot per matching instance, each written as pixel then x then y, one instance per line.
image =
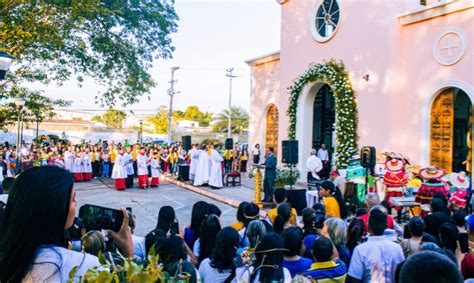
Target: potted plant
pixel 288 175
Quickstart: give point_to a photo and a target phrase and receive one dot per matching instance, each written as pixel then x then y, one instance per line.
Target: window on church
pixel 326 20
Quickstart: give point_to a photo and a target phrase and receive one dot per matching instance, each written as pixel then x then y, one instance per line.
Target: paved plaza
pixel 146 203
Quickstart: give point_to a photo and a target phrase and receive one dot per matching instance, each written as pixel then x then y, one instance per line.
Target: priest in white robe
pixel 215 180
pixel 194 155
pixel 202 169
pixel 68 159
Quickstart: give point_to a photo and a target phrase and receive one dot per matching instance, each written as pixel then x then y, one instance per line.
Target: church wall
pixel 265 79
pixel 398 59
pixel 425 76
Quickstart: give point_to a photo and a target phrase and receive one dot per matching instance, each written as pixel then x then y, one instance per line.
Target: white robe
pixel 119 171
pixel 194 153
pixel 142 165
pixel 68 160
pixel 215 179
pixel 202 169
pixel 155 168
pixel 128 161
pixel 77 166
pixel 86 163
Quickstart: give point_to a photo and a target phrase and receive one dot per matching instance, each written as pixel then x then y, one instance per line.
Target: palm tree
pixel 239 120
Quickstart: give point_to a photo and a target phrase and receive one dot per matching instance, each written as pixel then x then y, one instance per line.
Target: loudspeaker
pixel 186 142
pixel 368 157
pixel 290 152
pixel 229 143
pixel 183 172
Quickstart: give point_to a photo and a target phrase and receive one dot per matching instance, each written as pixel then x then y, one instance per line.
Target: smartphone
pixel 464 242
pixel 174 228
pixel 129 209
pixel 99 218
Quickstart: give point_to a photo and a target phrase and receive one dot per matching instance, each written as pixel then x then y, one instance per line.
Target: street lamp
pixel 19 102
pixel 141 131
pixel 171 93
pixel 6 61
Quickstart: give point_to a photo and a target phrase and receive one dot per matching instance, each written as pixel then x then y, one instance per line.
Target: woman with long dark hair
pixel 199 213
pixel 41 205
pixel 218 267
pixel 166 216
pixel 332 200
pixel 268 264
pixel 240 217
pixel 283 218
pixel 205 244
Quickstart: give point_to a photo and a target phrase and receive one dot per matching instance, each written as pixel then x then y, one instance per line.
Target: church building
pixel 397 75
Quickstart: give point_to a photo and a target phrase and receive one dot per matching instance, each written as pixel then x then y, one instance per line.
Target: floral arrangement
pixel 286 176
pixel 334 74
pixel 129 271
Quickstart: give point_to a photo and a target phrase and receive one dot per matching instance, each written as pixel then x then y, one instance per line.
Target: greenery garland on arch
pixel 334 74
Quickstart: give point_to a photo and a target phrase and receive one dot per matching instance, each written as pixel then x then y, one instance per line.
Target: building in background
pixel 411 67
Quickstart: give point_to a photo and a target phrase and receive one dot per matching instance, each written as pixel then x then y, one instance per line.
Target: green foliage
pixel 216 142
pixel 159 120
pixel 96 118
pixel 334 74
pixel 113 118
pixel 112 41
pixel 36 106
pixel 194 114
pixel 239 120
pixel 128 271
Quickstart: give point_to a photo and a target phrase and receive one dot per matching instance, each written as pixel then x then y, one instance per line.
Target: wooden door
pixel 271 133
pixel 442 119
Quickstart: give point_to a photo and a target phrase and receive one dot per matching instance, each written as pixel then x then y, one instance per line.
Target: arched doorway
pixel 271 128
pixel 451 131
pixel 324 117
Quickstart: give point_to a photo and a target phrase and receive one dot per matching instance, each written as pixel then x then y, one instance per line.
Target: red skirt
pixel 87 176
pixel 120 184
pixel 165 167
pixel 155 182
pixel 78 177
pixel 143 181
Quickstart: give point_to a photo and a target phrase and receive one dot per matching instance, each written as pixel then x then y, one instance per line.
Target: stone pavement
pixel 146 203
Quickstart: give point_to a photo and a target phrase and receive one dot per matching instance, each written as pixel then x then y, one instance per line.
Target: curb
pixel 205 193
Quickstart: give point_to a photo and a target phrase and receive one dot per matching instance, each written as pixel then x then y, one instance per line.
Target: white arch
pixel 426 116
pixel 304 123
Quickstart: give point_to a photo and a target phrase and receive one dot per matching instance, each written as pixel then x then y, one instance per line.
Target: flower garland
pixel 334 74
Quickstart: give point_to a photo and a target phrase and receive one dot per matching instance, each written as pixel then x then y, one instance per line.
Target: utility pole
pixel 171 94
pixel 230 76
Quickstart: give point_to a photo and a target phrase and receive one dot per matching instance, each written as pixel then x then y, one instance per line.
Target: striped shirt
pixel 333 271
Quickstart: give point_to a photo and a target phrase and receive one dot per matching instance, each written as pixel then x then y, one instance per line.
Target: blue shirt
pixel 308 244
pixel 297 266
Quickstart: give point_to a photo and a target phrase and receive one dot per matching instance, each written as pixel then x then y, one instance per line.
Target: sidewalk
pixel 232 196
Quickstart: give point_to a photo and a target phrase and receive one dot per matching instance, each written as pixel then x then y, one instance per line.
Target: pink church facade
pixel 406 62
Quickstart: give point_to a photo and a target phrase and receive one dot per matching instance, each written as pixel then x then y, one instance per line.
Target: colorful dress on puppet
pixel 356 174
pixel 431 185
pixel 395 179
pixel 459 190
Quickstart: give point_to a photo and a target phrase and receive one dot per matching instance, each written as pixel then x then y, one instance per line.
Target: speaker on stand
pixel 229 143
pixel 186 142
pixel 368 159
pixel 297 198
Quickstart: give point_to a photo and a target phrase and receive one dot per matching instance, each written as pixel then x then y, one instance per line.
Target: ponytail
pixel 340 200
pixel 284 215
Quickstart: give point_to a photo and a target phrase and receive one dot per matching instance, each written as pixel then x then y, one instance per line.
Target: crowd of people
pixel 125 162
pixel 42 240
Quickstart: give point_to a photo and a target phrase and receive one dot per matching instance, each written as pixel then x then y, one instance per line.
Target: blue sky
pixel 213 35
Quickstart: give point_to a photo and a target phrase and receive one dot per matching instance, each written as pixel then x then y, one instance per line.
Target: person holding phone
pixel 32 242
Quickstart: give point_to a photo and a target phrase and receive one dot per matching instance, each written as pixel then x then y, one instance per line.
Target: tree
pixel 37 106
pixel 112 41
pixel 113 118
pixel 194 114
pixel 160 120
pixel 96 118
pixel 239 120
